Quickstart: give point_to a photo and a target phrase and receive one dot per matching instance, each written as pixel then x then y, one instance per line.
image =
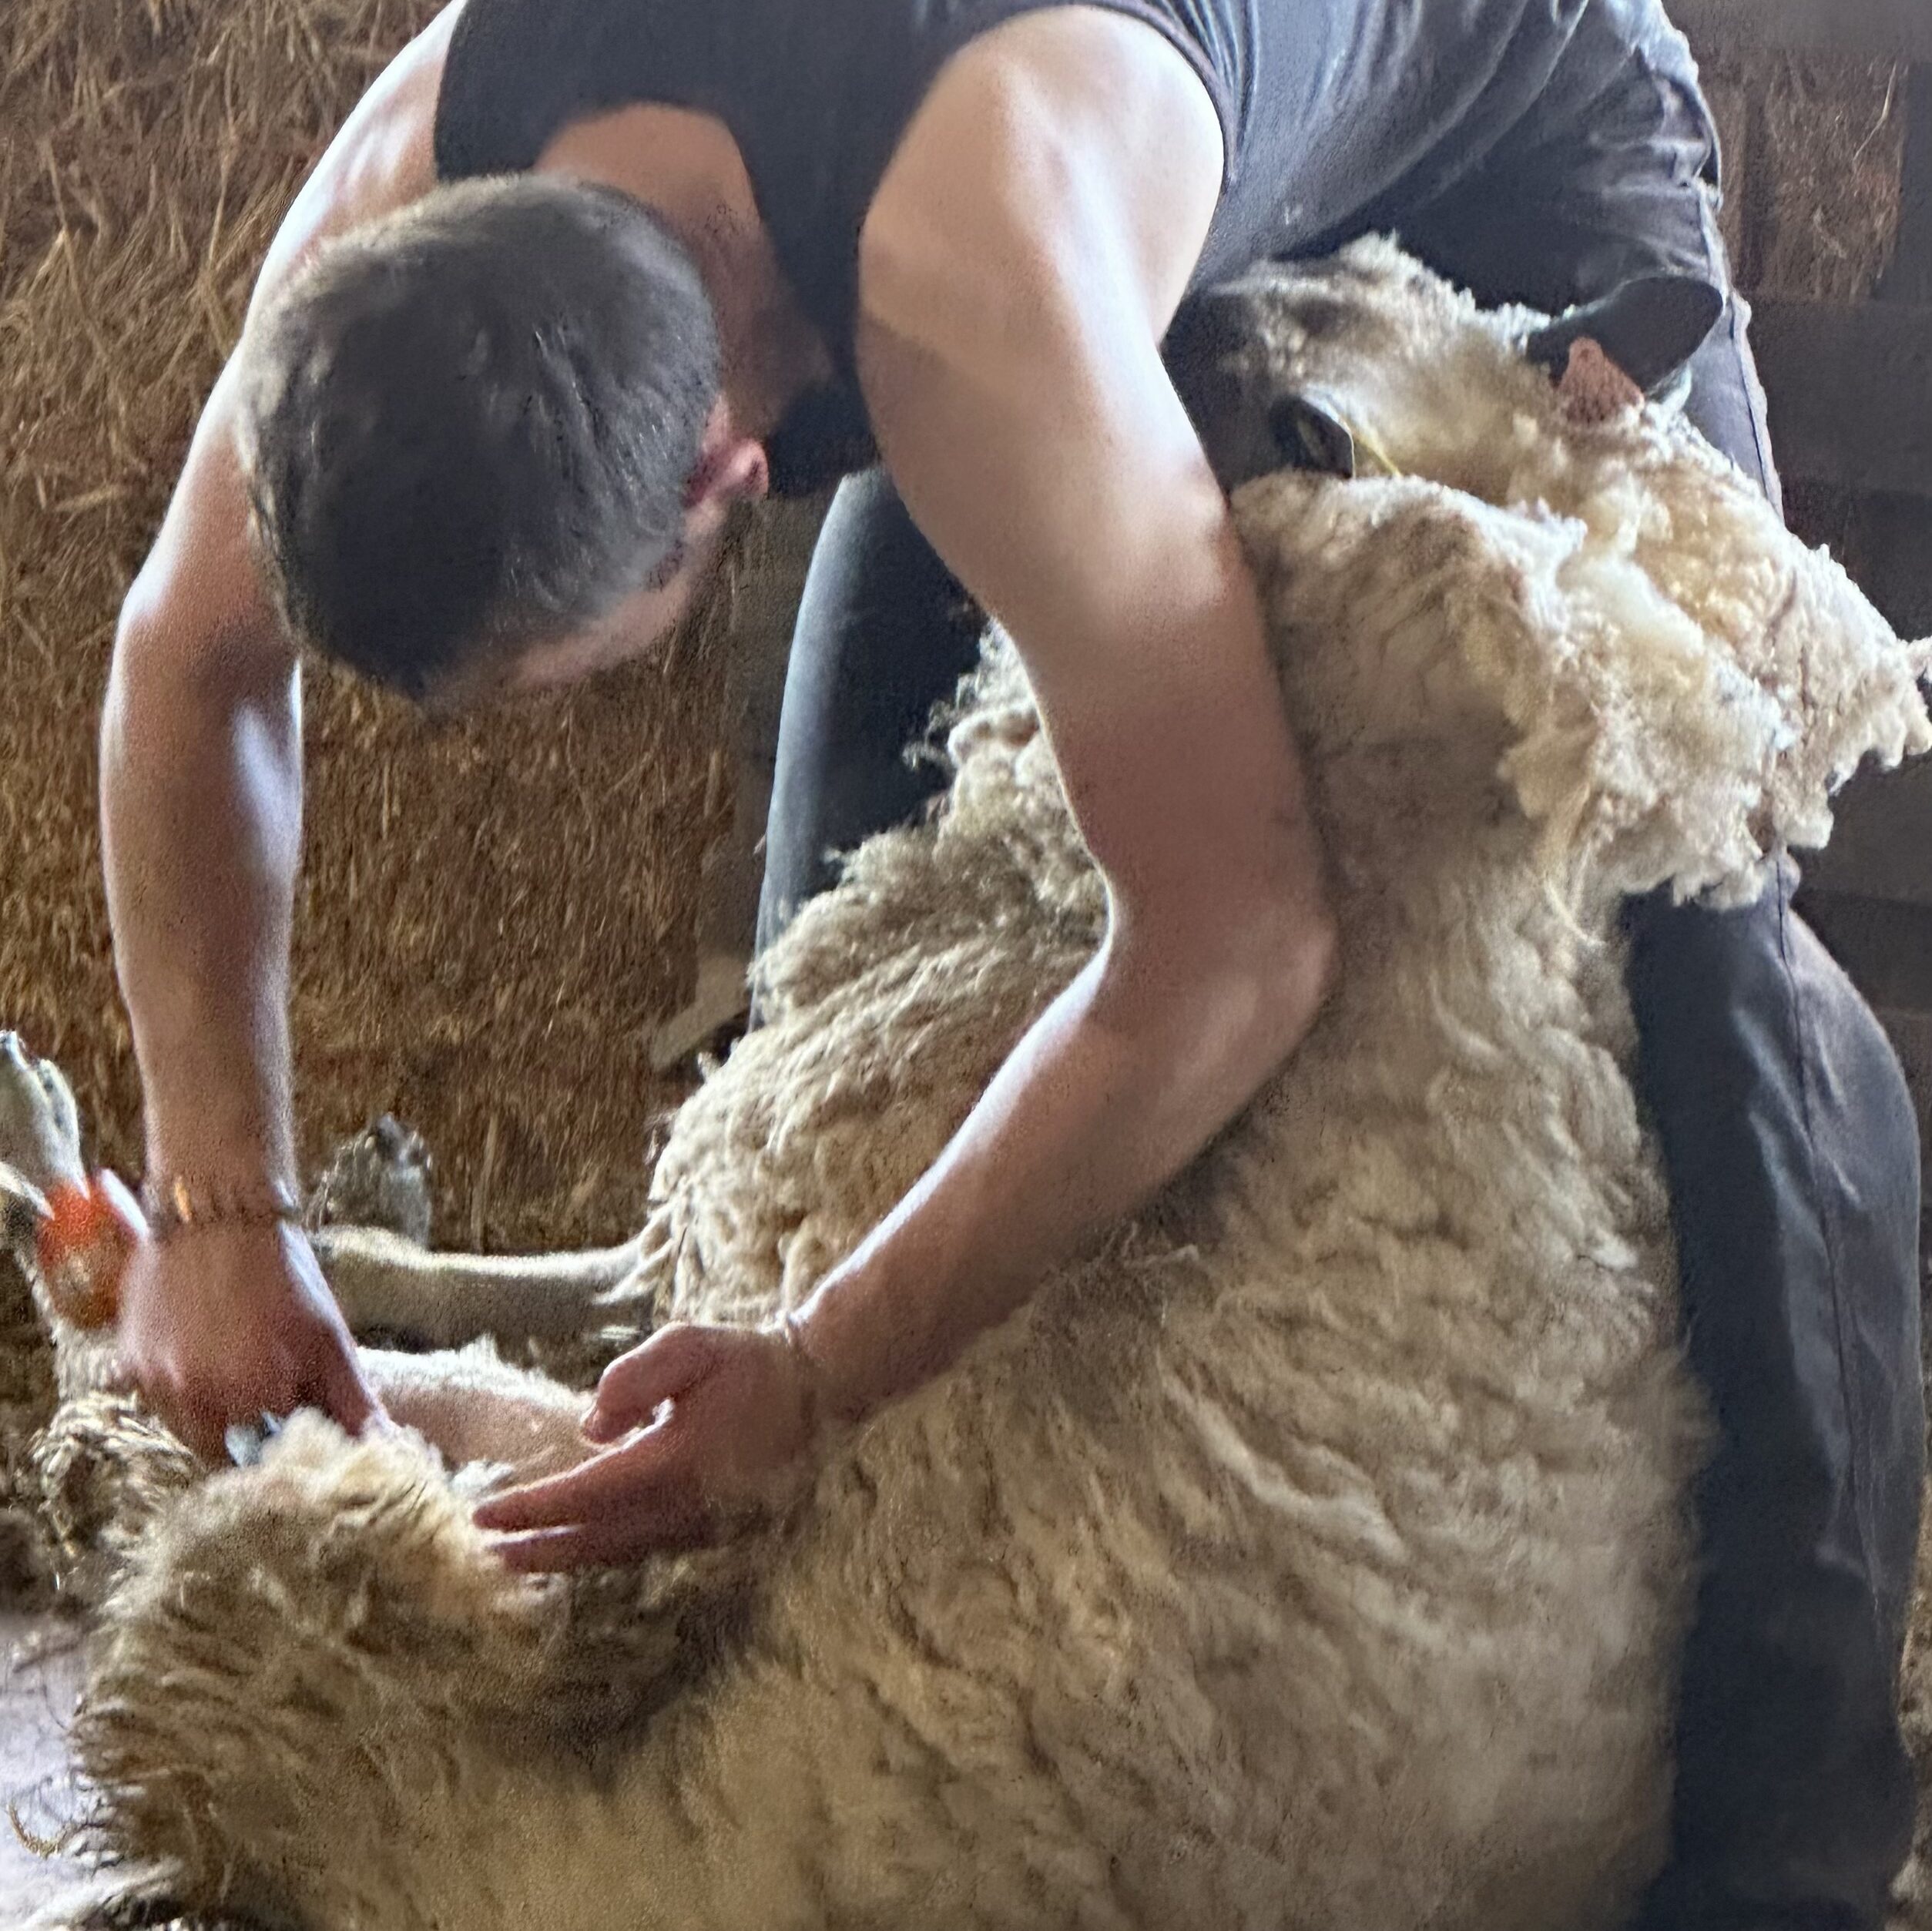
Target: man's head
pixel 484 439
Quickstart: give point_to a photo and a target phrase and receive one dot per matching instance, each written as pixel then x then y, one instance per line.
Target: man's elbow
pixel 1244 989
pixel 1283 970
pixel 182 703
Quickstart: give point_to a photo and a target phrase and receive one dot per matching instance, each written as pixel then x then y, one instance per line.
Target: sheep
pixel 1316 1549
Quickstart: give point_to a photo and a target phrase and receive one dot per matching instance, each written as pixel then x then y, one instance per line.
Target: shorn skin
pixel 1316 1552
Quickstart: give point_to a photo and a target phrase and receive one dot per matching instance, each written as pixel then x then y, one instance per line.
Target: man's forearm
pixel 1091 1114
pixel 201 832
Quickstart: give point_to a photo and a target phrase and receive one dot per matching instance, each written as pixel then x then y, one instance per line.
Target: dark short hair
pixel 469 426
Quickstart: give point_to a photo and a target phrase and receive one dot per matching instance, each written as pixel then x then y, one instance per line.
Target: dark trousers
pixel 1787 1137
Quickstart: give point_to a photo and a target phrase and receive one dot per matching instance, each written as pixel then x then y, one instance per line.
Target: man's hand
pixel 711 1426
pixel 226 1324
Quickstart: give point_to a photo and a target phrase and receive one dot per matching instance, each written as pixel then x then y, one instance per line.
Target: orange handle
pixel 84 1245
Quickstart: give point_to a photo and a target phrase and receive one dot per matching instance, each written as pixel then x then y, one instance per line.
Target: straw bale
pixel 1814 151
pixel 494 915
pixel 1814 158
pixel 1834 137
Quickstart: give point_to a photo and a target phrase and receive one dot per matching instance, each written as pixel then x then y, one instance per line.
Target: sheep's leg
pixel 39 1125
pixel 40 1148
pixel 444 1300
pixel 383 1280
pixel 105 1467
pixel 471 1407
pixel 376 1188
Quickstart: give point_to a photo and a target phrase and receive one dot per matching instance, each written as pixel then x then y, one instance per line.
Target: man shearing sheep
pixel 617 265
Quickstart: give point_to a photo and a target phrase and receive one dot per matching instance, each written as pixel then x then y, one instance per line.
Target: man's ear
pixel 732 466
pixel 1650 326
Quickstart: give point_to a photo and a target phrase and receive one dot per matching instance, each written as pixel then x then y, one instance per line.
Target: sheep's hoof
pixel 39 1124
pixel 379 1179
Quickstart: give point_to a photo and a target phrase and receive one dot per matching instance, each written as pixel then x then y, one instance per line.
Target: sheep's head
pixel 1587 610
pixel 1367 364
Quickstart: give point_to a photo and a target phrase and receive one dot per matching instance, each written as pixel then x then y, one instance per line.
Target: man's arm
pixel 201 774
pixel 201 798
pixel 1010 352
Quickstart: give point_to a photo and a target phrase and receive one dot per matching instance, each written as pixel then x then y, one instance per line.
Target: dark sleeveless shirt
pixel 1335 115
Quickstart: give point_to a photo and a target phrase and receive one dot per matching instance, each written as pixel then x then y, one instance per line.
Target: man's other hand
pixel 222 1325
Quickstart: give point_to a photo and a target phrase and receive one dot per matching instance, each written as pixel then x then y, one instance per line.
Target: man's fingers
pixel 585 1545
pixel 201 1423
pixel 201 1415
pixel 344 1396
pixel 201 1412
pixel 608 1482
pixel 632 1387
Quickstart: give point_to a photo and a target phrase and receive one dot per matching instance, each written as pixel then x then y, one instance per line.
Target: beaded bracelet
pixel 178 1205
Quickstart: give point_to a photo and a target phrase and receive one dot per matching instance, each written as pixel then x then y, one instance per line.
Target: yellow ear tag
pixel 1385 464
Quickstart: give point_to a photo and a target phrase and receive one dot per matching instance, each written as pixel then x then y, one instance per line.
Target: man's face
pixel 632 628
pixel 731 470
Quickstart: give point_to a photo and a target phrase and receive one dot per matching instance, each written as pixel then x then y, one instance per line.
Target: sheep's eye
pixel 1310 436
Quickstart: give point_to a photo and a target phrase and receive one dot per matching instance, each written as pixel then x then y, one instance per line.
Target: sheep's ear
pixel 1311 436
pixel 1650 326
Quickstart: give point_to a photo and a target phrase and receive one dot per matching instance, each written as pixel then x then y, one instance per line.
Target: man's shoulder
pixel 1033 153
pixel 382 158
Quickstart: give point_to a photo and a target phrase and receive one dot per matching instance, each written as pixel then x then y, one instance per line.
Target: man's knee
pixel 1712 996
pixel 1741 1016
pixel 884 632
pixel 1790 1143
